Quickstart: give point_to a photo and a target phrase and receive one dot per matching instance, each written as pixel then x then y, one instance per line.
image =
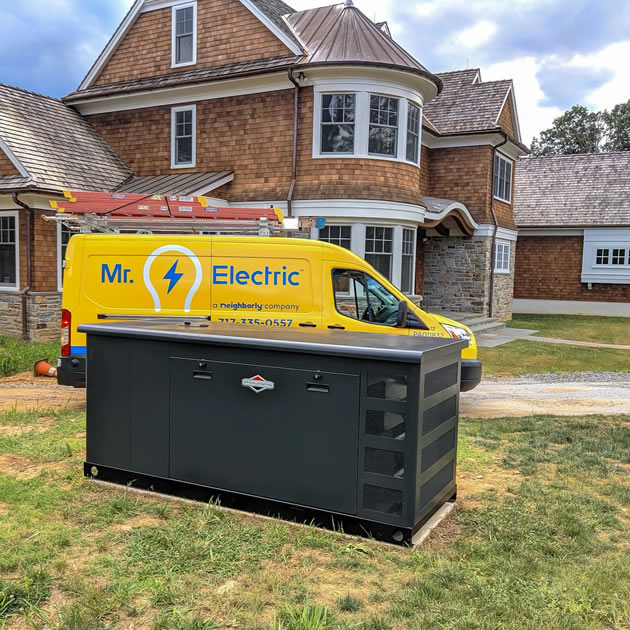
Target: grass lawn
pixel 577 327
pixel 17 356
pixel 540 541
pixel 531 357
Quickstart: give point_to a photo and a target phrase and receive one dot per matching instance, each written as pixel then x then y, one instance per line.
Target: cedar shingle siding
pixel 506 119
pixel 6 166
pixel 249 135
pixel 227 32
pixel 550 268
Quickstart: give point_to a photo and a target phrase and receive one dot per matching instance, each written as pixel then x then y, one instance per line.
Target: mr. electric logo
pixel 258 384
pixel 229 275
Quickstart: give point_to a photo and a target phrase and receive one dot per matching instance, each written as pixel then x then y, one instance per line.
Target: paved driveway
pixel 557 394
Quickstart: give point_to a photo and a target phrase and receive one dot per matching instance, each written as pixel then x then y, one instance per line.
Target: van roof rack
pixel 113 213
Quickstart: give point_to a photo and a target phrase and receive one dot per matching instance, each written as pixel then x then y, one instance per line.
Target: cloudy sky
pixel 559 52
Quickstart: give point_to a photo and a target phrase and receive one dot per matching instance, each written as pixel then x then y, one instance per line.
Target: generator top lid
pixel 330 342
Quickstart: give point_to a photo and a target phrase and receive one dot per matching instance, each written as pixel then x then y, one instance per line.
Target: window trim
pixel 60 260
pixel 174 112
pixel 411 104
pixel 501 269
pixel 15 287
pixel 414 234
pixel 174 10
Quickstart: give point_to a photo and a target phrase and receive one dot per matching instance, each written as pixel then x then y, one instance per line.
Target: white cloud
pixel 611 58
pixel 533 117
pixel 475 36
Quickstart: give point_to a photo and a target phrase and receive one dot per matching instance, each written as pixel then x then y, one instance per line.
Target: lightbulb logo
pixel 172 275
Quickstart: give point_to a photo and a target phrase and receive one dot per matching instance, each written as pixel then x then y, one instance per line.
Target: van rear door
pixel 272 283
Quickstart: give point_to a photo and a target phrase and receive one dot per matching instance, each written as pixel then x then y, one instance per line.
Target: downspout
pixel 493 253
pixel 29 270
pixel 296 110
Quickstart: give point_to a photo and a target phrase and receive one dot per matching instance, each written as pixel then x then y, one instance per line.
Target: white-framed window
pixel 383 134
pixel 9 251
pixel 502 178
pixel 407 278
pixel 367 123
pixel 379 249
pixel 63 238
pixel 338 120
pixel 502 254
pixel 612 257
pixel 337 235
pixel 184 37
pixel 414 124
pixel 183 136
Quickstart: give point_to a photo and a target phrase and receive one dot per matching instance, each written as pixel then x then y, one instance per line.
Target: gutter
pixel 296 110
pixel 29 269
pixel 493 253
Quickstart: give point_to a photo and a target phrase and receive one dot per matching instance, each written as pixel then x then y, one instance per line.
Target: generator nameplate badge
pixel 258 384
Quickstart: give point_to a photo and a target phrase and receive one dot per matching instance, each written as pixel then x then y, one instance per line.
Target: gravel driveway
pixel 557 394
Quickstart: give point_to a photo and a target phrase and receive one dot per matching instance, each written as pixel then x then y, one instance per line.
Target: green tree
pixel 576 131
pixel 617 128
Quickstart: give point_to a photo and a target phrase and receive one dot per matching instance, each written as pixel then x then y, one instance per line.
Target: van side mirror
pixel 403 314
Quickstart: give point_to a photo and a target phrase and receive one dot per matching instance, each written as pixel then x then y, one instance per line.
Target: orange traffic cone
pixel 43 368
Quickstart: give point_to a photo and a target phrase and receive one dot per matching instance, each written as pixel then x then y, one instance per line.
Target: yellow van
pixel 273 282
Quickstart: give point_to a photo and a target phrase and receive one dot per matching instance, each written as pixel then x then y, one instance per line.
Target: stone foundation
pixel 44 315
pixel 457 274
pixel 457 277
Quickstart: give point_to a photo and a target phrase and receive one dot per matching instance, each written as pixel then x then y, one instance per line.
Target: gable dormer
pixel 160 37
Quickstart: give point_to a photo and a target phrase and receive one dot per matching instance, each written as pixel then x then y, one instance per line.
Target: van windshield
pixel 362 297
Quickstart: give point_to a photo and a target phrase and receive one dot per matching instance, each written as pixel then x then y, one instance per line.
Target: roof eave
pixel 479 132
pixel 425 74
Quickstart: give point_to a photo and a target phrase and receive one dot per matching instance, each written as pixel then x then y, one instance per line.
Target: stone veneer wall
pixel 457 274
pixel 504 290
pixel 44 316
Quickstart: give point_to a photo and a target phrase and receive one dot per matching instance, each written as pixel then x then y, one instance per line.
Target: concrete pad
pixel 518 332
pixel 425 531
pixel 492 340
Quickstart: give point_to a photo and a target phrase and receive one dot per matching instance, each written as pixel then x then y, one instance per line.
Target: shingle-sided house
pixel 573 216
pixel 320 113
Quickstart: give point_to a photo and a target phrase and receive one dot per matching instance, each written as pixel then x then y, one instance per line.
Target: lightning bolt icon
pixel 172 276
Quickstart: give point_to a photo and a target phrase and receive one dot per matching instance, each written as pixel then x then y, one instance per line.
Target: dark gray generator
pixel 347 430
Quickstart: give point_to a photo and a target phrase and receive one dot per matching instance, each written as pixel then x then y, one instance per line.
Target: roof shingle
pixel 51 141
pixel 466 104
pixel 573 190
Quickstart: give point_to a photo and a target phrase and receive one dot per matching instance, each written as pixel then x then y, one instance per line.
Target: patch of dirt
pixel 25 391
pixel 4 508
pixel 24 468
pixel 470 485
pixel 15 430
pixel 142 520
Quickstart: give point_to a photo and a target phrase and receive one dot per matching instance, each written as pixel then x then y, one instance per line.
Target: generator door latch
pixel 317 387
pixel 204 376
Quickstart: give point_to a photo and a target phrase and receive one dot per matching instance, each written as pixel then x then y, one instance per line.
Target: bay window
pixel 364 124
pixel 338 117
pixel 9 250
pixel 337 235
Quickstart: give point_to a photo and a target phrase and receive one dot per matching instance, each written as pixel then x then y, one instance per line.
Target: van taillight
pixel 66 320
